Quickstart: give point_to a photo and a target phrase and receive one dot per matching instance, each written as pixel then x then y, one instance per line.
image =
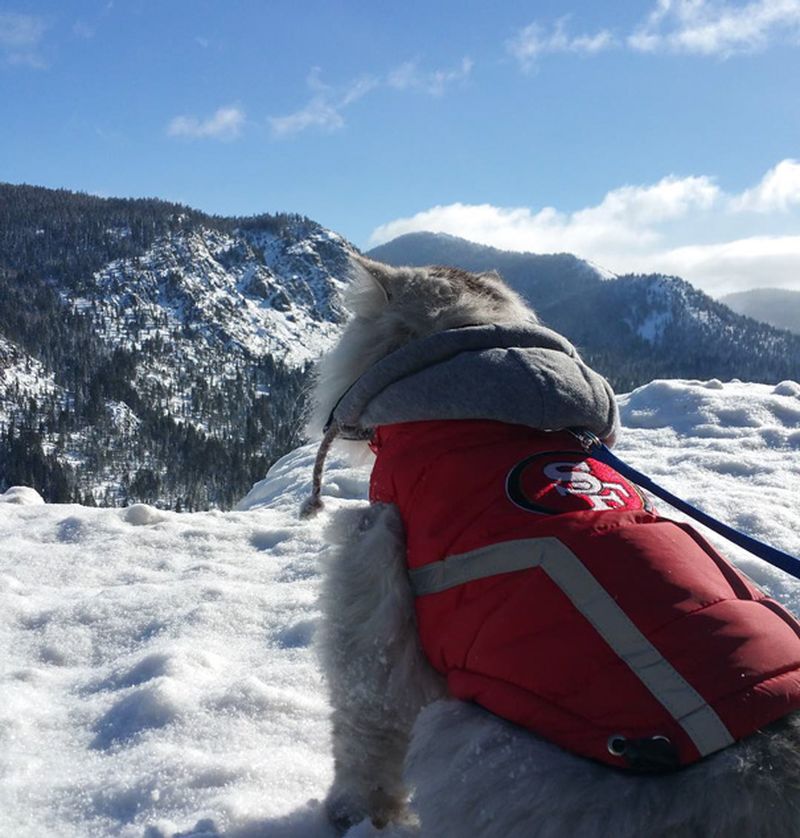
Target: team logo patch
pixel 567 481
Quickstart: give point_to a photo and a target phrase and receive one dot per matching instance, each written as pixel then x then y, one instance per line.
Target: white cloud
pixel 710 27
pixel 630 214
pixel 408 76
pixel 20 39
pixel 318 113
pixel 626 218
pixel 662 227
pixel 20 31
pixel 738 265
pixel 358 89
pixel 779 190
pixel 325 108
pixel 225 124
pixel 534 41
pixel 700 27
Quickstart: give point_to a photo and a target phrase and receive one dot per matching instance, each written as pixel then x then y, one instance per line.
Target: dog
pixel 410 754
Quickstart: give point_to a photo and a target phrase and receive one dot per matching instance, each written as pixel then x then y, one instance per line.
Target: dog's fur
pixel 469 773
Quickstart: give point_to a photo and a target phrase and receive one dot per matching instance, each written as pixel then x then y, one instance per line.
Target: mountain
pixel 151 352
pixel 777 306
pixel 631 328
pixel 536 276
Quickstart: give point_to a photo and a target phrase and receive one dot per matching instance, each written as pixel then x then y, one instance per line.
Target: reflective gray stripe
pixel 505 557
pixel 703 726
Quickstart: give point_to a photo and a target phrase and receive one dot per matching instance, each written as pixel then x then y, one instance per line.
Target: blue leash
pixel 598 451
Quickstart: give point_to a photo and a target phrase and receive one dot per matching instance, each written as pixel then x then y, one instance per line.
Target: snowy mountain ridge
pixel 249 293
pixel 667 300
pixel 205 303
pixel 177 369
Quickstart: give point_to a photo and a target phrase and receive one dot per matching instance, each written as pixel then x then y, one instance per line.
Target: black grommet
pixel 651 754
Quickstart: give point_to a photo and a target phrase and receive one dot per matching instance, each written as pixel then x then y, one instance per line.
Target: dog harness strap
pixel 689 709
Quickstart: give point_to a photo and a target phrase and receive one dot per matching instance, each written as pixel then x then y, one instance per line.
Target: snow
pixel 197 307
pixel 158 677
pixel 600 271
pixel 731 449
pixel 22 495
pixel 123 418
pixel 652 327
pixel 190 279
pixel 22 377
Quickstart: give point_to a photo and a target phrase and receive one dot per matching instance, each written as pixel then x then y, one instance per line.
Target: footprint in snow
pixel 297 636
pixel 146 709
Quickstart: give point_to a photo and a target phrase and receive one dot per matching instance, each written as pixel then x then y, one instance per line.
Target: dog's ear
pixel 370 286
pixel 494 278
pixel 379 273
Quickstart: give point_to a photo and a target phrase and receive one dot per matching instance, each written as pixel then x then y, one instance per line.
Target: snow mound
pixel 787 388
pixel 289 479
pixel 758 414
pixel 733 450
pixel 22 495
pixel 141 514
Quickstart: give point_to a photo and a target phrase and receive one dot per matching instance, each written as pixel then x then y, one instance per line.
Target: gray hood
pixel 525 375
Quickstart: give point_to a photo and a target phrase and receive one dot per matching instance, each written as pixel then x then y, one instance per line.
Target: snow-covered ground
pixel 156 670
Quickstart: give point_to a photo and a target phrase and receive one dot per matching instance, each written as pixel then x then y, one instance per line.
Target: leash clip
pixel 589 441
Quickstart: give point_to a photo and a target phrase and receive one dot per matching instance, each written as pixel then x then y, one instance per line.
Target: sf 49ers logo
pixel 567 481
pixel 577 479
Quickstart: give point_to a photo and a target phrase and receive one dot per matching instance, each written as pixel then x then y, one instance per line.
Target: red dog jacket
pixel 548 592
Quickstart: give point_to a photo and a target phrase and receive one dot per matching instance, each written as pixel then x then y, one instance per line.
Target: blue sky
pixel 654 135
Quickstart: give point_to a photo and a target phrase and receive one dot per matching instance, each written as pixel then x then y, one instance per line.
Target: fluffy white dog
pixel 405 754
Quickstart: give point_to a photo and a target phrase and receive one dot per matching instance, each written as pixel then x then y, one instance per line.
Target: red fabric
pixel 516 645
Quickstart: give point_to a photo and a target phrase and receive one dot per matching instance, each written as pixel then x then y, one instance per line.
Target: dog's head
pixel 389 307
